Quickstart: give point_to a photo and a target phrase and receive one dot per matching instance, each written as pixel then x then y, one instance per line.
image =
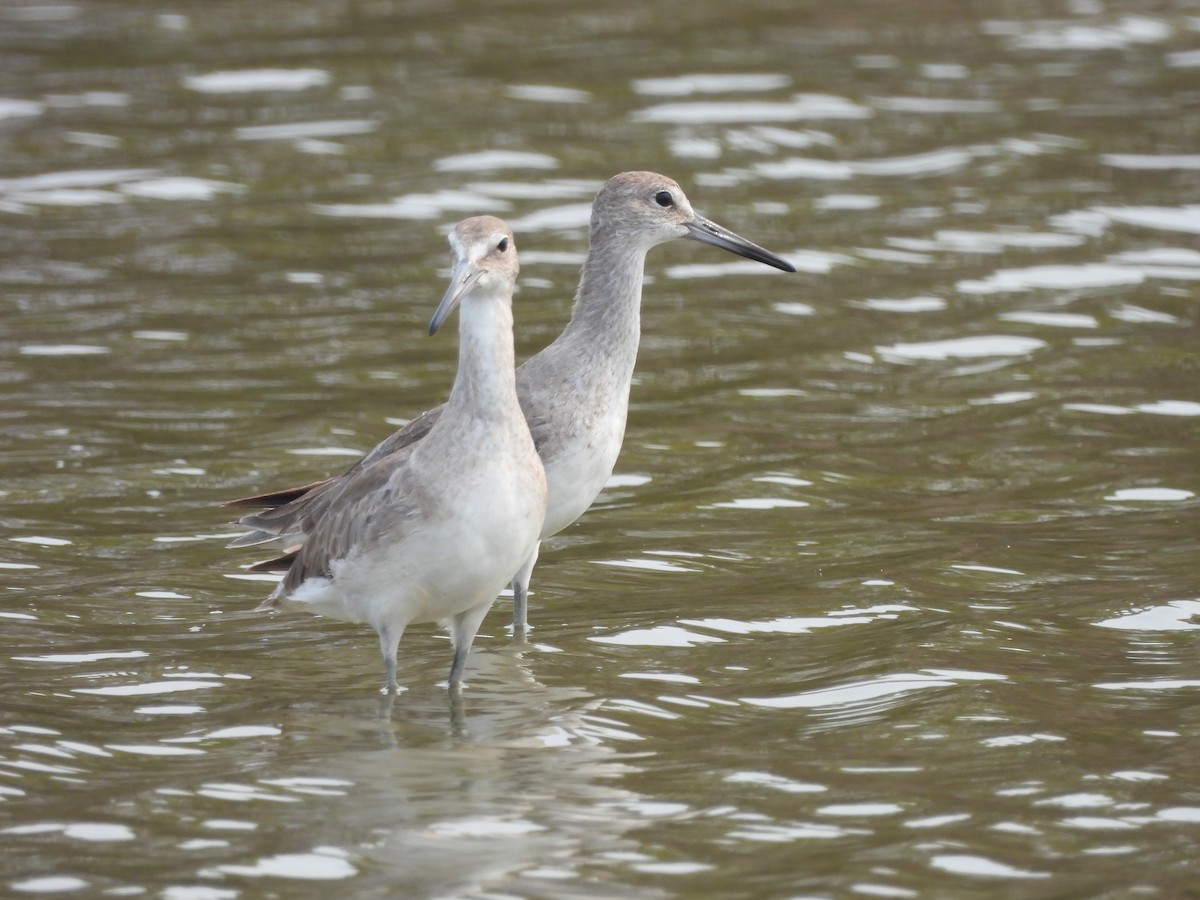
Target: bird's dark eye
pixel 664 199
pixel 503 245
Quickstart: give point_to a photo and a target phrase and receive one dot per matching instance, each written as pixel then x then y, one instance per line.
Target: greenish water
pixel 894 592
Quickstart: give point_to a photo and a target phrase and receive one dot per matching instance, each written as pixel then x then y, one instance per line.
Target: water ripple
pixel 897 685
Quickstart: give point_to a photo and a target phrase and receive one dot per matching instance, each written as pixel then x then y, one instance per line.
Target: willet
pixel 431 531
pixel 575 392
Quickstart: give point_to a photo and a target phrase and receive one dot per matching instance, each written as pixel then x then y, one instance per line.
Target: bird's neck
pixel 606 317
pixel 484 384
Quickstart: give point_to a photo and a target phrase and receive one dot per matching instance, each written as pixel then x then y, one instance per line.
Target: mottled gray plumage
pixel 575 392
pixel 430 531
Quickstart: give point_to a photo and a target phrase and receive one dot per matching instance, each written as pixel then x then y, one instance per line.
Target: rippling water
pixel 894 591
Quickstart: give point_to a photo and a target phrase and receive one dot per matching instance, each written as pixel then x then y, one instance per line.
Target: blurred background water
pixel 894 592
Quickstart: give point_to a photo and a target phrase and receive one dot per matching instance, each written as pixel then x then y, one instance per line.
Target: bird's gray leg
pixel 520 589
pixel 389 643
pixel 463 628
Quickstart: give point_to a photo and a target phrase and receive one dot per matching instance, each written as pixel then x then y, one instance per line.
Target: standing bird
pixel 575 392
pixel 431 531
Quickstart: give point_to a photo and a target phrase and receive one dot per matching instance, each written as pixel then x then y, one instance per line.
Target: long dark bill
pixel 708 232
pixel 464 278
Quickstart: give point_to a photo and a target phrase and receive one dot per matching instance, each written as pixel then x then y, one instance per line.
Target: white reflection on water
pixel 324 451
pixel 568 217
pixel 801 624
pixel 153 687
pixel 11 109
pixel 1083 800
pixel 1184 59
pixel 418 206
pixel 962 241
pixel 932 162
pixel 552 189
pixel 93 187
pixel 896 685
pixel 84 657
pixel 1003 398
pixel 889 685
pixel 48 884
pixel 775 782
pixel 40 540
pixel 322 864
pixel 659 636
pixel 63 350
pixel 814 261
pixel 482 827
pixel 934 105
pixel 67 197
pixel 759 503
pixel 650 565
pixel 1138 315
pixel 848 202
pixel 1170 408
pixel 937 821
pixel 1178 615
pixel 242 731
pixel 792 831
pixel 181 188
pixel 73 178
pixel 490 160
pixel 293 131
pixel 1151 494
pixel 683 85
pixel 80 831
pixel 1165 262
pixel 1161 407
pixel 154 750
pixel 901 305
pixel 860 809
pixel 1053 277
pixel 668 677
pixel 1020 740
pixel 1052 319
pixel 1151 162
pixel 547 93
pixel 245 80
pixel 1073 35
pixel 626 480
pixel 802 107
pixel 975 347
pixel 1150 684
pixel 788 480
pixel 1165 218
pixel 965 864
pixel 800 167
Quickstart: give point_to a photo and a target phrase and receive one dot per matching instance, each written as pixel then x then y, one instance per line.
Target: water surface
pixel 894 590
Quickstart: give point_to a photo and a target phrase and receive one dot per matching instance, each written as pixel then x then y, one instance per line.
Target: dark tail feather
pixel 277 566
pixel 276 498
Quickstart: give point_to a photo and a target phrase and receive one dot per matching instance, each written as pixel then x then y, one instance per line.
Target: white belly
pixel 574 479
pixel 458 558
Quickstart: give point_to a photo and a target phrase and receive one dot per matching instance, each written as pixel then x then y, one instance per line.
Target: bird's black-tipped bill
pixel 461 281
pixel 707 232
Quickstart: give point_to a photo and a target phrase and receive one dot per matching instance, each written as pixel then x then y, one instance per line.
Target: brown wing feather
pixel 286 511
pixel 397 440
pixel 376 499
